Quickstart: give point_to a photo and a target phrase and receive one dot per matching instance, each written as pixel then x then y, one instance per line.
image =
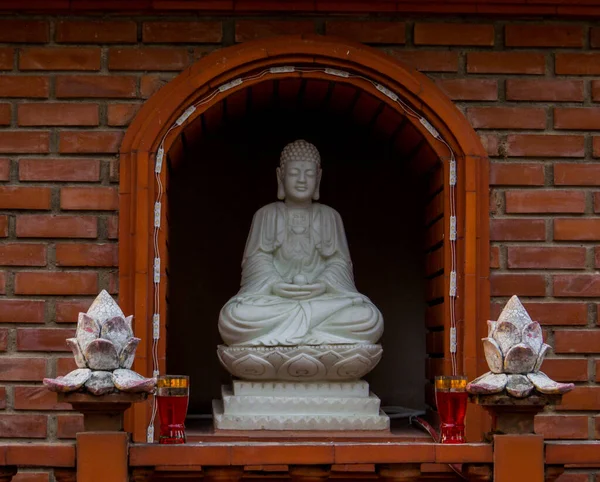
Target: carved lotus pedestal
pixel 299 388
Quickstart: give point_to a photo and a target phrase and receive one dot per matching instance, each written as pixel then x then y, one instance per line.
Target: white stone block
pixel 357 388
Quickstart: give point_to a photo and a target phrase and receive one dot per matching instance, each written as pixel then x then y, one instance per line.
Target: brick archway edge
pixel 137 186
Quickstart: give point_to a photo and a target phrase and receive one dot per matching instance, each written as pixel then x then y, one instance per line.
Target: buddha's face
pixel 300 180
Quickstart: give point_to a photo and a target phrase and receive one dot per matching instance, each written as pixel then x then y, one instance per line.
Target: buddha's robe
pixel 284 243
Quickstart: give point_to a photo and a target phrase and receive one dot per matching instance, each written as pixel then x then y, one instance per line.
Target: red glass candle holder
pixel 451 400
pixel 172 397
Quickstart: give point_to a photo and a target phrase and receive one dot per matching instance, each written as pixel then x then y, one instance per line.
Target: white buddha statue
pixel 297 284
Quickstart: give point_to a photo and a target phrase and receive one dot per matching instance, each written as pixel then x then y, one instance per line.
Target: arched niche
pixel 362 104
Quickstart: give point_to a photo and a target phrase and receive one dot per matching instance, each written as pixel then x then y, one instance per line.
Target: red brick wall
pixel 69 88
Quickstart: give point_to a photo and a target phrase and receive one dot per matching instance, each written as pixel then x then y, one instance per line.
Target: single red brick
pixel 545 201
pixel 427 61
pixel 566 369
pixel 596 147
pixel 4 169
pixel 24 31
pixel 182 32
pixel 113 227
pixel 541 257
pixel 596 90
pixel 50 226
pixel 595 37
pixel 95 86
pixel 516 174
pixel 5 114
pixel 507 117
pixel 551 313
pixel 597 257
pixel 576 285
pixel 3 282
pixel 252 29
pixel 86 254
pixel 96 31
pixel 65 365
pixel 494 257
pixel 517 230
pixel 370 32
pixel 67 426
pixel 544 90
pixel 537 145
pixel 23 426
pixel 577 64
pixel 3 339
pixel 506 63
pixel 58 114
pixel 31 476
pixel 147 58
pixel 21 311
pixel 576 229
pixel 22 369
pixel 60 58
pixel 587 118
pixel 597 202
pixel 56 283
pixel 3 226
pixel 24 142
pixel 562 427
pixel 2 398
pixel 22 254
pixel 44 454
pixel 454 34
pixel 24 86
pixel 6 58
pixel 528 35
pixel 121 114
pixel 81 170
pixel 571 174
pixel 89 198
pixel 17 197
pixel 113 283
pixel 577 341
pixel 469 89
pixel 43 339
pixel 503 284
pixel 67 311
pixel 90 142
pixel 37 398
pixel 581 398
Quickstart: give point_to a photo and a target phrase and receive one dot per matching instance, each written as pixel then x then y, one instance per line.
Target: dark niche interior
pixel 223 170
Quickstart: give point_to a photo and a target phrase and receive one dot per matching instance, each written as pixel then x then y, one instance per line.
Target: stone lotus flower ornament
pixel 104 350
pixel 514 351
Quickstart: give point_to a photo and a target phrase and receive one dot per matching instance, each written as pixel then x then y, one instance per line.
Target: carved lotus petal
pixel 276 359
pixel 100 383
pixel 488 383
pixel 520 359
pixel 127 354
pixel 251 366
pixel 532 335
pixel 540 358
pixel 87 330
pixel 77 353
pixel 493 355
pixel 70 382
pixel 130 381
pixel 507 335
pixel 329 358
pixel 515 313
pixel 101 355
pixel 104 308
pixel 117 331
pixel 303 367
pixel 129 321
pixel 519 386
pixel 546 385
pixel 491 328
pixel 353 367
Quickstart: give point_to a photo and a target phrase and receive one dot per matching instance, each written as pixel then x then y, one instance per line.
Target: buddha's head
pixel 299 172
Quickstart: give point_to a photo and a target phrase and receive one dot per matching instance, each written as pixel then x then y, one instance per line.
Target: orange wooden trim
pixel 160 112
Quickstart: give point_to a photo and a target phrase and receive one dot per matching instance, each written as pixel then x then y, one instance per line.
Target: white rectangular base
pixel 297 422
pixel 358 388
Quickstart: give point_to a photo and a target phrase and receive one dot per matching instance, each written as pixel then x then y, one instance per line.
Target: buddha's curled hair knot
pixel 300 150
